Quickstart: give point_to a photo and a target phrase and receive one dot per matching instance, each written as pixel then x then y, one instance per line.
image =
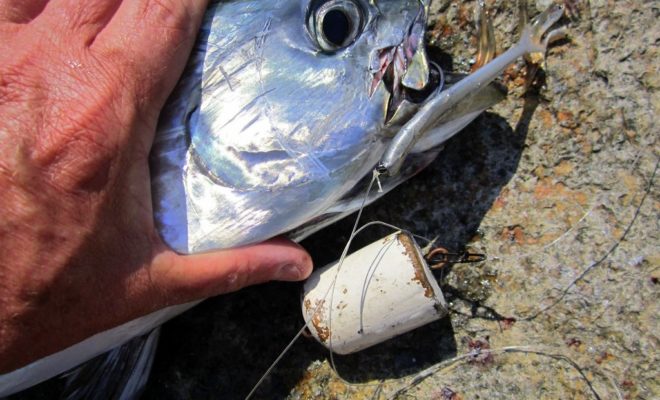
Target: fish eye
pixel 335 24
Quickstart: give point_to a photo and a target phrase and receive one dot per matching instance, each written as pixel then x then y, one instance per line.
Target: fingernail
pixel 288 272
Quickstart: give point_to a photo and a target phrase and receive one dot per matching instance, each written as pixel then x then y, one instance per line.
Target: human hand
pixel 81 87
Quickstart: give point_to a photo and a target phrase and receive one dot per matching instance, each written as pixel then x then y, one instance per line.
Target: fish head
pixel 297 91
pixel 284 106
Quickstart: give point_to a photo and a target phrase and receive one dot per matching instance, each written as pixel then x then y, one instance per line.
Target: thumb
pixel 194 277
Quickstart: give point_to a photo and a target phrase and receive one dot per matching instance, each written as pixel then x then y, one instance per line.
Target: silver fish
pixel 284 109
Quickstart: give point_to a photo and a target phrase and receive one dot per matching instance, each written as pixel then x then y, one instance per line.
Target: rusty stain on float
pixel 379 292
pixel 322 331
pixel 418 262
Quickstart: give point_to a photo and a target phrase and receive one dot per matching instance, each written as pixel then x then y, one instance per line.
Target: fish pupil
pixel 336 27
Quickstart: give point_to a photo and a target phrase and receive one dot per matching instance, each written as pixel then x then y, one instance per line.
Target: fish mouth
pixel 406 73
pixel 403 100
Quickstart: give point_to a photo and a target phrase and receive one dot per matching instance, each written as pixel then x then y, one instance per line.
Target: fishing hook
pixel 439 257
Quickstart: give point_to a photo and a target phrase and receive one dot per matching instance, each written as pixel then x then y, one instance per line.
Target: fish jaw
pixel 405 71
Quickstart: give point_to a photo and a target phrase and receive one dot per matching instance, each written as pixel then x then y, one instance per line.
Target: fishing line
pixel 438 367
pixel 274 363
pixel 539 351
pixel 331 289
pixel 602 258
pixel 599 203
pixel 354 232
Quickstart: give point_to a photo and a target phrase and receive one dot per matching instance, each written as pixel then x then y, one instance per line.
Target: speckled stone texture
pixel 555 186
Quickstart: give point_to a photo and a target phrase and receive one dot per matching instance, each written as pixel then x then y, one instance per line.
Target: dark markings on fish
pixel 247 107
pixel 308 154
pixel 260 39
pixel 224 75
pixel 227 76
pixel 250 123
pixel 224 51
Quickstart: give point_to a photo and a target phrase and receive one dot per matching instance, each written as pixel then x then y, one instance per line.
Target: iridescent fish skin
pixel 267 129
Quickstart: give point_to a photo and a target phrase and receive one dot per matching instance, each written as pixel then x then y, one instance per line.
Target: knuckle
pixel 236 277
pixel 172 26
pixel 65 143
pixel 170 14
pixel 234 281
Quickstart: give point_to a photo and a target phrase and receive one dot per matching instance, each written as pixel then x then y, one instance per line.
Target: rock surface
pixel 555 186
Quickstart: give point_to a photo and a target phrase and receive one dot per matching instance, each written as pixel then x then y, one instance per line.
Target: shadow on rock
pixel 400 356
pixel 448 199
